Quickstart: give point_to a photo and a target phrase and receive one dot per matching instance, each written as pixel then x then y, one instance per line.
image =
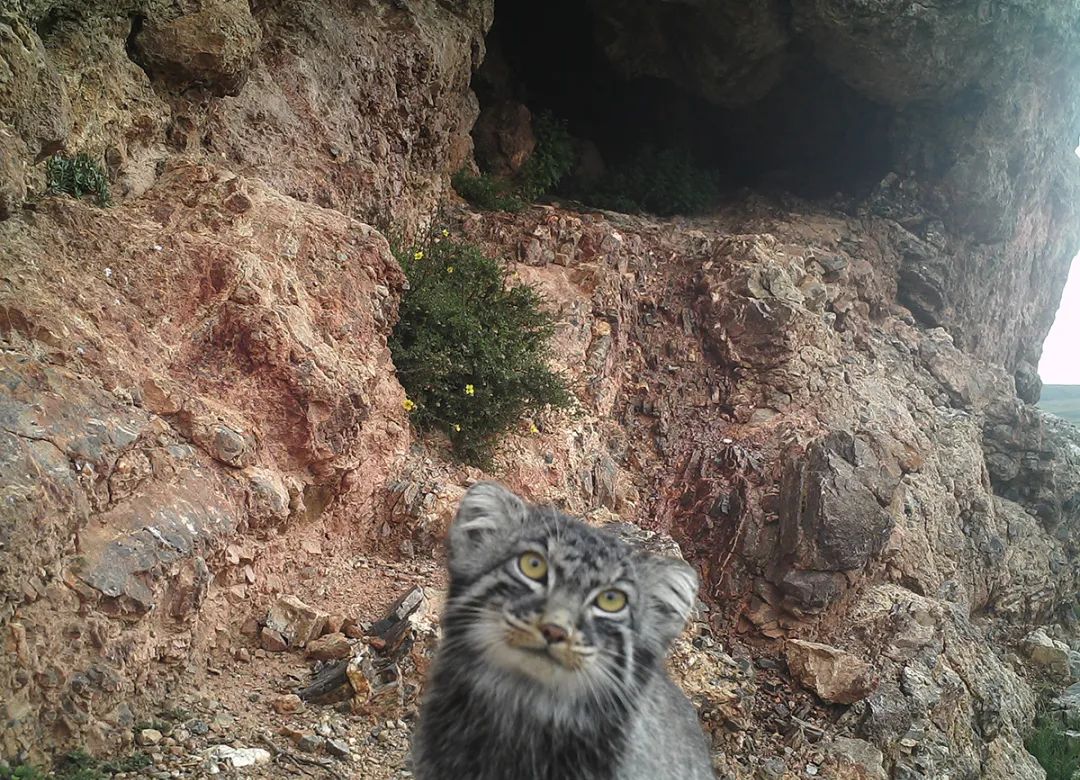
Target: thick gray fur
pixel 503 702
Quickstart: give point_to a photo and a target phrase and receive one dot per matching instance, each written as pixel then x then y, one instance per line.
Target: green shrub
pixel 21 772
pixel 552 159
pixel 78 765
pixel 471 351
pixel 665 183
pixel 486 192
pixel 77 176
pixel 1056 753
pixel 550 162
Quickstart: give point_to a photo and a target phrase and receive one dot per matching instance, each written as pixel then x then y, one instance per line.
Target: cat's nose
pixel 554 633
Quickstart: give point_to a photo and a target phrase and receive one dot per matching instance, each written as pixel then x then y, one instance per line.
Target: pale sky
pixel 1060 364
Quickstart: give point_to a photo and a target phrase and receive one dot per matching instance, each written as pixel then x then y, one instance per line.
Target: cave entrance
pixel 809 134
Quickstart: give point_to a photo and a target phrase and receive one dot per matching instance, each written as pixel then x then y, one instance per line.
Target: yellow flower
pixel 533 428
pixel 449 269
pixel 457 428
pixel 470 390
pixel 408 405
pixel 418 255
pixel 445 232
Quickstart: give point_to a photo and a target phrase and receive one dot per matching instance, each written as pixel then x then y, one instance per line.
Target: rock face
pixel 821 457
pixel 817 401
pixel 984 155
pixel 211 48
pixel 833 675
pixel 33 100
pixel 185 373
pixel 74 87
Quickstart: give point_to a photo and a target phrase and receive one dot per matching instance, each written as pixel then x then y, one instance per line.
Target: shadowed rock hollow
pixel 821 390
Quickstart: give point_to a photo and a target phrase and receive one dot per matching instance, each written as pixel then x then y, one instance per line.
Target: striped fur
pixel 504 703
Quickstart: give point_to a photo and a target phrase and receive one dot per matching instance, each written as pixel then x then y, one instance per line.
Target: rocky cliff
pixel 820 390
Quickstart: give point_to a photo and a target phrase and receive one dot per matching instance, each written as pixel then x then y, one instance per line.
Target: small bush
pixel 21 772
pixel 665 183
pixel 1056 753
pixel 486 192
pixel 78 765
pixel 77 176
pixel 471 351
pixel 549 163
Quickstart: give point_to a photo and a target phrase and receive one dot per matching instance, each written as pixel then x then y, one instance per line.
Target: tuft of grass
pixel 471 350
pixel 77 176
pixel 1056 753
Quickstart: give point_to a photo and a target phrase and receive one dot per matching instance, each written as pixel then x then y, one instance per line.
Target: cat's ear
pixel 671 586
pixel 487 516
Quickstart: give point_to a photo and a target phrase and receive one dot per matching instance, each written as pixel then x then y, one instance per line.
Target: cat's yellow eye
pixel 533 565
pixel 611 600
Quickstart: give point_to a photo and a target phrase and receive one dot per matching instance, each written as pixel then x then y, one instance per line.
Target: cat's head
pixel 546 597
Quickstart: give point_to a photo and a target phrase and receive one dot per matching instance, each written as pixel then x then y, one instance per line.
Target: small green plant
pixel 471 350
pixel 552 159
pixel 664 182
pixel 78 765
pixel 21 772
pixel 486 192
pixel 550 162
pixel 77 176
pixel 1056 752
pixel 129 763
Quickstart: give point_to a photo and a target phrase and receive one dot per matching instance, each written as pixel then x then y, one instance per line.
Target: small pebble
pixel 289 703
pixel 338 748
pixel 148 737
pixel 310 743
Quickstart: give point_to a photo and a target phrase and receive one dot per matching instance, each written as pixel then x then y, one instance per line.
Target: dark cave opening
pixel 810 135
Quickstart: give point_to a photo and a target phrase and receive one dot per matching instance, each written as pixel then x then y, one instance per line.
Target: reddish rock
pixel 352 629
pixel 334 624
pixel 331 647
pixel 271 641
pixel 287 704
